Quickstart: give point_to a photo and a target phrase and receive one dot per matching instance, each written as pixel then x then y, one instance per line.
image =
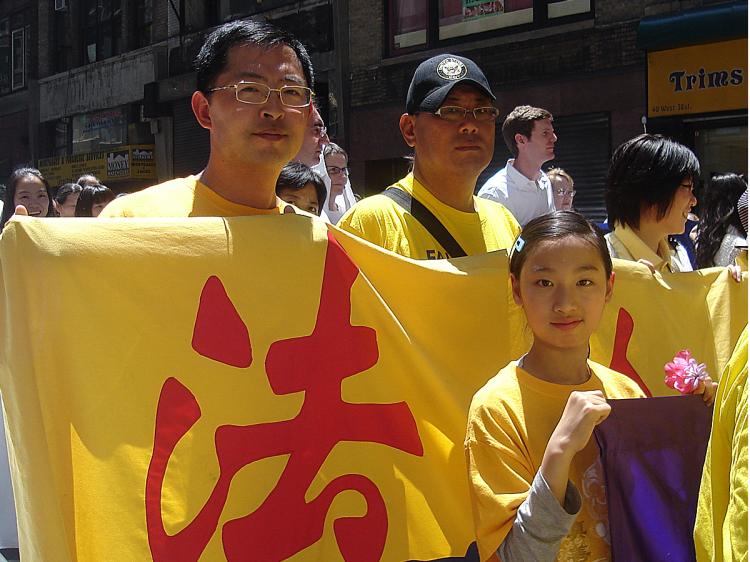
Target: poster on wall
pixel 467 17
pixel 473 9
pixel 136 161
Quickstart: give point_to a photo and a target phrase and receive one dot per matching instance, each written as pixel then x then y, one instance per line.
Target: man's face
pixel 256 134
pixel 442 146
pixel 314 141
pixel 540 147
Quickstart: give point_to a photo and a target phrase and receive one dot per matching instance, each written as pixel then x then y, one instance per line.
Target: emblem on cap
pixel 451 69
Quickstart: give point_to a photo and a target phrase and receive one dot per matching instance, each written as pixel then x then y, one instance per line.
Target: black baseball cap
pixel 437 76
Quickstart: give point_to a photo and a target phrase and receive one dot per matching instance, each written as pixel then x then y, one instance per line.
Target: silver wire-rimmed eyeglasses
pixel 456 113
pixel 257 93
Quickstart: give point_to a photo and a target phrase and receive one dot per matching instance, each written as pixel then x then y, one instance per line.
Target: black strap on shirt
pixel 423 215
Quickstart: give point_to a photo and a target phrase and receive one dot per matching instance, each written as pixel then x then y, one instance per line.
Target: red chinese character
pixel 285 523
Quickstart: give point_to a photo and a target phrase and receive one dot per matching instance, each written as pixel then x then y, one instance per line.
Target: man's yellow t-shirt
pixel 511 420
pixel 380 220
pixel 182 197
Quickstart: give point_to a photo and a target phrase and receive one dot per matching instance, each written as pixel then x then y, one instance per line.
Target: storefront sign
pixel 698 79
pixel 124 163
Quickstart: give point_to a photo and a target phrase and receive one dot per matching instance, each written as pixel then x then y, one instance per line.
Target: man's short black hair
pixel 645 172
pixel 212 58
pixel 297 175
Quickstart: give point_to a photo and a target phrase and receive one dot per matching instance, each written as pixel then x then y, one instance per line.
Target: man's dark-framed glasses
pixel 257 93
pixel 456 113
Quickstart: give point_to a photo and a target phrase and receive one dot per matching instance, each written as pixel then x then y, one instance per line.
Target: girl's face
pixel 97 208
pixel 68 207
pixel 31 193
pixel 682 204
pixel 563 288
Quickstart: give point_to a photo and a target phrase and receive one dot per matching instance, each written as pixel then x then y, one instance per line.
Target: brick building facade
pixel 110 87
pixel 18 70
pixel 102 83
pixel 587 67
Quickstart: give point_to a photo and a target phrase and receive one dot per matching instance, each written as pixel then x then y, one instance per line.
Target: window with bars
pixel 101 29
pixel 15 53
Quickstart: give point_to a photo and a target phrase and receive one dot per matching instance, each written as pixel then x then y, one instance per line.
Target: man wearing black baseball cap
pixel 432 213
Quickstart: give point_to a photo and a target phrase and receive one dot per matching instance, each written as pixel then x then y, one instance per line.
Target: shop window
pixel 420 24
pixel 102 29
pixel 101 130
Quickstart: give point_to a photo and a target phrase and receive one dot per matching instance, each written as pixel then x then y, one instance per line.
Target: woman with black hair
pixel 66 198
pixel 720 229
pixel 93 199
pixel 27 187
pixel 649 195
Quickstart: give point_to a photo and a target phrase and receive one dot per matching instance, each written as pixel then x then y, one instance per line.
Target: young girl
pixel 93 199
pixel 536 483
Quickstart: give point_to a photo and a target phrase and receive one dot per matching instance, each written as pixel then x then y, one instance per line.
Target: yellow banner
pixel 123 163
pixel 698 79
pixel 271 388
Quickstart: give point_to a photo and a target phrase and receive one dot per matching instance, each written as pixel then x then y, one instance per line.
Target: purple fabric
pixel 652 451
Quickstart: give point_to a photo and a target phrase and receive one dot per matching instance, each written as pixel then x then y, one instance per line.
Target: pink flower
pixel 684 373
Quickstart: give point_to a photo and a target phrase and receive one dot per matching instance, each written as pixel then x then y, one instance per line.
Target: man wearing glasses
pixel 253 95
pixel 522 186
pixel 316 137
pixel 432 213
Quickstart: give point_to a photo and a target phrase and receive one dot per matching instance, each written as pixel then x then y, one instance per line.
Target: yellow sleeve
pixel 735 525
pixel 500 474
pixel 721 523
pixel 364 223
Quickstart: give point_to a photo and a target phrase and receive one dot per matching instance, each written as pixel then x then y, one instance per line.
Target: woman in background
pixel 66 198
pixel 92 200
pixel 649 195
pixel 28 187
pixel 562 189
pixel 720 230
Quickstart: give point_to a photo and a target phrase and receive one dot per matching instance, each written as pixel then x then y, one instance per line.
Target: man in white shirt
pixel 522 186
